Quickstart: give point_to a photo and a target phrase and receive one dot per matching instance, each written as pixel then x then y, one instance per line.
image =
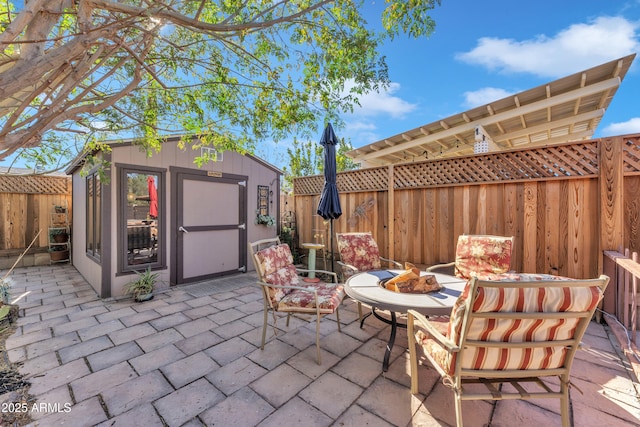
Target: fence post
pixel 634 300
pixel 610 178
pixel 391 224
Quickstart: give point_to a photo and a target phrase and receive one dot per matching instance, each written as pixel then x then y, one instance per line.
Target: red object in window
pixel 153 198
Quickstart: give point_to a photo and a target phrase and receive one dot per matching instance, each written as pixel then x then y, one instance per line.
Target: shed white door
pixel 209 226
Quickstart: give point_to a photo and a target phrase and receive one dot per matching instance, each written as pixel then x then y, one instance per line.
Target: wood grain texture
pixel 562 204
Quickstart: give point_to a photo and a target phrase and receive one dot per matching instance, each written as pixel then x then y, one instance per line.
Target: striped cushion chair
pixel 283 290
pixel 513 329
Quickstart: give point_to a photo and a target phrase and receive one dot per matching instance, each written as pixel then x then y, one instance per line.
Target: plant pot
pixel 59 255
pixel 60 238
pixel 145 297
pixel 8 313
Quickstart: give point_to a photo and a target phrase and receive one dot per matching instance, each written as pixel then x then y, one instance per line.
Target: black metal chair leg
pixel 392 339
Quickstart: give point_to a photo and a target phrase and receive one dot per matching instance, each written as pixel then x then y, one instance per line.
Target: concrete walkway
pixel 191 357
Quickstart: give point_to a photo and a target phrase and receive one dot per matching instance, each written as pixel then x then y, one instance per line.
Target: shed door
pixel 209 226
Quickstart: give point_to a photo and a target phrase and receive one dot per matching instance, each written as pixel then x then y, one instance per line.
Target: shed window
pixel 141 231
pixel 94 223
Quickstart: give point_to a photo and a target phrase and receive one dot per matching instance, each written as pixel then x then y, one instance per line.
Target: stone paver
pixel 277 392
pixel 187 402
pixel 60 375
pixel 198 342
pixel 111 356
pixel 235 375
pixel 98 382
pixel 138 391
pixel 77 415
pixel 54 344
pixel 143 415
pixel 159 339
pixel 130 334
pixel 243 405
pixel 184 371
pixel 84 348
pixel 192 357
pixel 155 359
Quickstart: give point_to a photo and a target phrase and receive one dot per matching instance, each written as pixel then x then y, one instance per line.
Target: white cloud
pixel 361 126
pixel 484 96
pixel 361 132
pixel 383 103
pixel 623 128
pixel 578 47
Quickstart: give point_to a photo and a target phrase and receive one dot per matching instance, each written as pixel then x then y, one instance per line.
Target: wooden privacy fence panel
pixel 623 289
pixel 26 201
pixel 548 198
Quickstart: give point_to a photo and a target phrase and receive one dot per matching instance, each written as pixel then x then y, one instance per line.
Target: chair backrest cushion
pixel 478 255
pixel 546 299
pixel 359 250
pixel 276 267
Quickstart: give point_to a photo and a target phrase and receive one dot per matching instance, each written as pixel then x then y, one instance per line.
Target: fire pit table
pixel 368 288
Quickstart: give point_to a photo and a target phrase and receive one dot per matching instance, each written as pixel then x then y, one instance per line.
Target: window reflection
pixel 94 223
pixel 142 218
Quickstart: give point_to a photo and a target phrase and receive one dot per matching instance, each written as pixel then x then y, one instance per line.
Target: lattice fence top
pixel 576 160
pixel 35 184
pixel 371 179
pixel 570 160
pixel 632 154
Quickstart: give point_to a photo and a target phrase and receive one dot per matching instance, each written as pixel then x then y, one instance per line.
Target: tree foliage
pixel 235 72
pixel 307 158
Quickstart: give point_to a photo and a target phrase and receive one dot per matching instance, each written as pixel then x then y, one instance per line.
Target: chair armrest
pixel 330 273
pixel 300 288
pixel 348 266
pixel 439 266
pixel 395 263
pixel 419 319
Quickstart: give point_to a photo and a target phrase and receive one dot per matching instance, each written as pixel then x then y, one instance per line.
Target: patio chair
pixel 479 255
pixel 284 291
pixel 517 329
pixel 359 252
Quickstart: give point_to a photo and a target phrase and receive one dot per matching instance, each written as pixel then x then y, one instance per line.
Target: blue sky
pixel 484 51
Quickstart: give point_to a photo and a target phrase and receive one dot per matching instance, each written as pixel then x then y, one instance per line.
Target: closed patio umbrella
pixel 329 206
pixel 153 197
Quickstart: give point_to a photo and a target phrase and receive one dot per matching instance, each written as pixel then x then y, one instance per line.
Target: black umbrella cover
pixel 329 206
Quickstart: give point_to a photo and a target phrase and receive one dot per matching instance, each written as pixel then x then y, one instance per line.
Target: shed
pixel 188 224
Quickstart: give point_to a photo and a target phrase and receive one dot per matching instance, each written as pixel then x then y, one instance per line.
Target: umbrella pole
pixel 333 268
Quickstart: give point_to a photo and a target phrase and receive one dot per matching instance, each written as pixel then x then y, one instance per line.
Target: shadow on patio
pixel 191 357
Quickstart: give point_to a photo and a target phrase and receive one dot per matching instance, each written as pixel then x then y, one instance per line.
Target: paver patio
pixel 191 357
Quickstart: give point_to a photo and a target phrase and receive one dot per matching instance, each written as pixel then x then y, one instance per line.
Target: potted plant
pixel 267 220
pixel 58 235
pixel 142 288
pixel 7 311
pixel 59 253
pixel 59 209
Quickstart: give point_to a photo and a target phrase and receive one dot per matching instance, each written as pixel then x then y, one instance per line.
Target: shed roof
pixel 567 109
pixel 78 162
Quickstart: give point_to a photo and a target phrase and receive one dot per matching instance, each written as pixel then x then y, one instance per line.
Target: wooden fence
pixel 565 204
pixel 26 203
pixel 622 295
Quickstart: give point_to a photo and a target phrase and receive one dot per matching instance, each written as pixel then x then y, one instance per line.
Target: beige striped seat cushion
pixel 557 299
